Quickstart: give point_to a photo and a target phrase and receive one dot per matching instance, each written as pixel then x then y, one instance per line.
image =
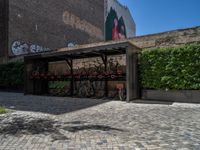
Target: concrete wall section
pixel 186 96
pixel 168 39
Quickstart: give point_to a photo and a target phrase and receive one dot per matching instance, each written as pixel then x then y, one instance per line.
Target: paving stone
pixel 38 124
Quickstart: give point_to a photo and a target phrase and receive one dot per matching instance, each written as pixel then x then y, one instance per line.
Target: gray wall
pixel 45 24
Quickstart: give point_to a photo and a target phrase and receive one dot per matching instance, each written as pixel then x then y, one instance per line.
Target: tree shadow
pixel 75 122
pixel 75 129
pixel 46 104
pixel 27 125
pixel 76 126
pixel 30 126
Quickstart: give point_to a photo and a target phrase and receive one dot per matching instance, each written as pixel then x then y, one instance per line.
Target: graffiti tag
pixel 22 48
pixel 19 48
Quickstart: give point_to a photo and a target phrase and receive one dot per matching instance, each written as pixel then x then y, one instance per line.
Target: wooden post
pixel 45 83
pixel 105 61
pixel 41 86
pixel 28 83
pixel 70 64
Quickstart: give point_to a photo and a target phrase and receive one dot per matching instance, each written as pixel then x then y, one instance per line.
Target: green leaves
pixel 58 84
pixel 3 110
pixel 12 74
pixel 171 68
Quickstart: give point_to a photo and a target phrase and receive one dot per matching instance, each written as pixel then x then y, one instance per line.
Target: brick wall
pixel 54 23
pixel 165 39
pixel 168 39
pixel 3 29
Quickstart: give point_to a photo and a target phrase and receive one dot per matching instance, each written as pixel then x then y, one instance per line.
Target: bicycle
pixel 121 91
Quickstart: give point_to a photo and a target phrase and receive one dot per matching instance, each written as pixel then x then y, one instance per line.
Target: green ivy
pixel 171 68
pixel 11 74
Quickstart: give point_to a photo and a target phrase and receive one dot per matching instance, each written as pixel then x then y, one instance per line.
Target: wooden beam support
pixel 69 62
pixel 28 84
pixel 105 61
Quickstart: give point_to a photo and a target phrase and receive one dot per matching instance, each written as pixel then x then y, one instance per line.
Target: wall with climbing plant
pixel 171 68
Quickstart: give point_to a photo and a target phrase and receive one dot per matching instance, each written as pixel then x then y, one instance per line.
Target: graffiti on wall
pixel 22 48
pixel 81 24
pixel 72 44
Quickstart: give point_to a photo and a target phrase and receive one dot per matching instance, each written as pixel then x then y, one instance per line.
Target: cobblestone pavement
pixel 111 125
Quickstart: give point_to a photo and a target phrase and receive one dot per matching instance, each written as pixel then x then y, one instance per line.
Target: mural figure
pixel 115 32
pixel 122 28
pixel 115 27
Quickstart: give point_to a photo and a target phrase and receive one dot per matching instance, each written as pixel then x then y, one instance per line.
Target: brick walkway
pixel 51 123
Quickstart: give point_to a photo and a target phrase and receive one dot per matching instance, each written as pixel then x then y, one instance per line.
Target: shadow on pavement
pixel 20 125
pixel 44 104
pixel 90 127
pixel 29 125
pixel 152 102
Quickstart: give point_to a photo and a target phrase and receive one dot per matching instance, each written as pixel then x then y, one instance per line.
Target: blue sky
pixel 153 16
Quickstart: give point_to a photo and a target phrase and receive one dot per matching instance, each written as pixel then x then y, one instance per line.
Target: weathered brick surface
pixel 168 39
pixel 46 22
pixel 3 27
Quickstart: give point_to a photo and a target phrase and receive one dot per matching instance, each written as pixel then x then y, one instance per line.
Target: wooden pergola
pixel 103 50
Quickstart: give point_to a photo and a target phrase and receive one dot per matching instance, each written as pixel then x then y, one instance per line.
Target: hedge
pixel 11 74
pixel 171 68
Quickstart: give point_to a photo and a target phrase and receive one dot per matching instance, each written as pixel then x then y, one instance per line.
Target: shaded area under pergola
pixel 102 50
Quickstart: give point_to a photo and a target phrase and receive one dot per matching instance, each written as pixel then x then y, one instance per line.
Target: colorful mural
pixel 115 27
pixel 119 23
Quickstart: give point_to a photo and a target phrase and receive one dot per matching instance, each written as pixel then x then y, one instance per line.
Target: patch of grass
pixel 3 110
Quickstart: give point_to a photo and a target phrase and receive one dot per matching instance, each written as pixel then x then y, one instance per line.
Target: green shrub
pixel 11 74
pixel 2 110
pixel 58 84
pixel 171 68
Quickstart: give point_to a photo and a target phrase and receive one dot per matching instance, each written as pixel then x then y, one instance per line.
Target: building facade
pixel 3 29
pixel 37 26
pixel 32 26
